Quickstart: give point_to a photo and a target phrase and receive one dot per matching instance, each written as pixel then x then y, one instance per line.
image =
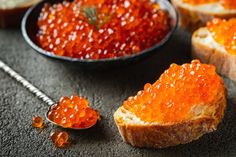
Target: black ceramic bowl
pixel 29 30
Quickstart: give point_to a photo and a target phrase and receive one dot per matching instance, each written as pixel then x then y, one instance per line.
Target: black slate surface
pixel 105 90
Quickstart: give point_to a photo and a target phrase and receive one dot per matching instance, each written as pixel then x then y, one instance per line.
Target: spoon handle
pixel 26 84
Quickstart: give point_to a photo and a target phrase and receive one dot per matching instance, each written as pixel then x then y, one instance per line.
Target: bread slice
pixel 17 4
pixel 11 16
pixel 205 48
pixel 195 16
pixel 160 135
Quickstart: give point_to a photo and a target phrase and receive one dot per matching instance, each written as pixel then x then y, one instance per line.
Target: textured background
pixel 105 90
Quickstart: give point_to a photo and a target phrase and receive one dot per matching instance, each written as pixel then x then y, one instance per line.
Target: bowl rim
pixel 41 51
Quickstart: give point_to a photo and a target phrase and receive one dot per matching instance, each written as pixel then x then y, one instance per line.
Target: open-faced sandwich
pixel 216 44
pixel 183 104
pixel 195 13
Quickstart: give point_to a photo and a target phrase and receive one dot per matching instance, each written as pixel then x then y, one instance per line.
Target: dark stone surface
pixel 105 90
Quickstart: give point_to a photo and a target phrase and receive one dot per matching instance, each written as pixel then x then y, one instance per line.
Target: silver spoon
pixel 33 90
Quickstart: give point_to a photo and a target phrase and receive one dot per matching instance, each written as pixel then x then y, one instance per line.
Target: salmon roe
pixel 199 2
pixel 60 139
pixel 173 96
pixel 98 29
pixel 224 32
pixel 73 112
pixel 228 4
pixel 38 122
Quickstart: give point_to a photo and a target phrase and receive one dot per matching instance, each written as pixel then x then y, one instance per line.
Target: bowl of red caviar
pixel 99 33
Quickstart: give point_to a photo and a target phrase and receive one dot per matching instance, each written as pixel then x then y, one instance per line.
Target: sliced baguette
pixel 11 17
pixel 205 48
pixel 160 135
pixel 195 16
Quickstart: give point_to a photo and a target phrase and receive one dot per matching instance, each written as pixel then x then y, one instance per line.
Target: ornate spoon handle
pixel 26 83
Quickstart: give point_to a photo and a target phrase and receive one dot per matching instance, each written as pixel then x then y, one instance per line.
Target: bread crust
pixel 165 135
pixel 191 18
pixel 224 62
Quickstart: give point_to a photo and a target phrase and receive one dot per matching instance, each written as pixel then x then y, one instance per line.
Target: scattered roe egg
pixel 227 4
pixel 224 32
pixel 173 96
pixel 98 29
pixel 60 139
pixel 38 122
pixel 73 112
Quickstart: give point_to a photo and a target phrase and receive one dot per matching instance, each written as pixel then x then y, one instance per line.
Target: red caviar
pixel 199 2
pixel 73 112
pixel 175 93
pixel 38 122
pixel 60 139
pixel 97 29
pixel 228 4
pixel 224 32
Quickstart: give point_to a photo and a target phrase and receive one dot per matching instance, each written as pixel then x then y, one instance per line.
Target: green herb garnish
pixel 91 14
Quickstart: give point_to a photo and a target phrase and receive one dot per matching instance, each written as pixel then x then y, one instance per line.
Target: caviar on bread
pixel 216 44
pixel 195 13
pixel 185 103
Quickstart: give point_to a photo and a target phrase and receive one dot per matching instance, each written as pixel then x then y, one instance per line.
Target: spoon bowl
pixel 29 30
pixel 46 116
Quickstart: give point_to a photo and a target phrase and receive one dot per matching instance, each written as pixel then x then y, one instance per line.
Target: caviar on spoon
pixel 73 113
